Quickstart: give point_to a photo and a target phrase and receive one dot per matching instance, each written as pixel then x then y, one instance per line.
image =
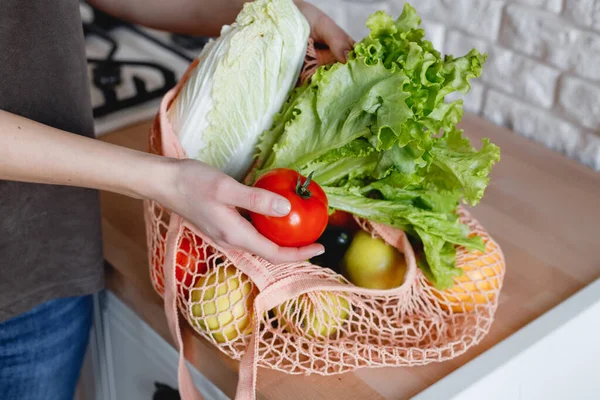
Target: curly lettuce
pixel 380 138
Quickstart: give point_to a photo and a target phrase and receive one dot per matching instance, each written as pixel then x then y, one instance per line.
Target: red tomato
pixel 190 262
pixel 309 214
pixel 342 219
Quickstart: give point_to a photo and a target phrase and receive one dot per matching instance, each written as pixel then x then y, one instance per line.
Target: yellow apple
pixel 372 263
pixel 315 315
pixel 222 302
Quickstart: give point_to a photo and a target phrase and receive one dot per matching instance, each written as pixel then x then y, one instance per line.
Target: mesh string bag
pixel 301 318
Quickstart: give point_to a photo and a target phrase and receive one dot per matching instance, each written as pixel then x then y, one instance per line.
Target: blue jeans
pixel 42 350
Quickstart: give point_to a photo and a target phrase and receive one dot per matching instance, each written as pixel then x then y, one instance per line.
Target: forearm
pixel 33 152
pixel 196 17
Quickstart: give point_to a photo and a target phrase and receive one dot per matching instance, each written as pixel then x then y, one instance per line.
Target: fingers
pixel 233 193
pixel 326 31
pixel 241 234
pixel 338 41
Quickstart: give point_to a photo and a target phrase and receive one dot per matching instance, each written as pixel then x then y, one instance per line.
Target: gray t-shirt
pixel 50 238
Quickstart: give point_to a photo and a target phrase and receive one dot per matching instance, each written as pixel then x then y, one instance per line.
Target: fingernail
pixel 282 206
pixel 320 252
pixel 346 52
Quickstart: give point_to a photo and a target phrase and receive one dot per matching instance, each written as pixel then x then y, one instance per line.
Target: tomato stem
pixel 302 188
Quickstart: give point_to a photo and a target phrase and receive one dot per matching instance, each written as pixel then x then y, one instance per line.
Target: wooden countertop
pixel 541 207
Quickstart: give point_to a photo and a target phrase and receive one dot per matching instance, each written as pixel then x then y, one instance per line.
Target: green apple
pixel 222 302
pixel 371 263
pixel 305 316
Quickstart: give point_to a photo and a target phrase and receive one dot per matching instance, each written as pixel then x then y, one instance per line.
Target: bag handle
pixel 187 388
pixel 171 147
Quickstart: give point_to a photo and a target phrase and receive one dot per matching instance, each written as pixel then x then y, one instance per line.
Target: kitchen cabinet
pixel 126 357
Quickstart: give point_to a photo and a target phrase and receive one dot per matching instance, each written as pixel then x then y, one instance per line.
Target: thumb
pixel 253 199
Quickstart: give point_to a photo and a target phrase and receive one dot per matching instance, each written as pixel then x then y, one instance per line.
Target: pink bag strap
pixel 187 388
pixel 171 147
pixel 248 368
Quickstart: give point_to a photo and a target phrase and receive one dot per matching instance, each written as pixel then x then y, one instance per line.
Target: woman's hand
pixel 323 30
pixel 208 198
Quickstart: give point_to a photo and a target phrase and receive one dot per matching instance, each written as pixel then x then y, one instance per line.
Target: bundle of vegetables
pixel 378 136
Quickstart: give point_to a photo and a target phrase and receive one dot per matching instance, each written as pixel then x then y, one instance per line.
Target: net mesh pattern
pixel 327 332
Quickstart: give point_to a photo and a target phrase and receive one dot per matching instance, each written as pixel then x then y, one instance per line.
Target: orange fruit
pixel 480 282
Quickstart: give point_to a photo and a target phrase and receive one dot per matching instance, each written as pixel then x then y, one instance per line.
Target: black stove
pixel 107 72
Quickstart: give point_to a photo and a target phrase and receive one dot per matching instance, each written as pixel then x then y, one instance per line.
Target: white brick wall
pixel 552 39
pixel 580 100
pixel 557 134
pixel 551 5
pixel 584 12
pixel 542 77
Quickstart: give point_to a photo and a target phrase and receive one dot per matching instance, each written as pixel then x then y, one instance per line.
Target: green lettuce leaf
pixel 403 215
pixel 457 165
pixel 439 266
pixel 340 104
pixel 353 160
pixel 380 138
pixel 426 199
